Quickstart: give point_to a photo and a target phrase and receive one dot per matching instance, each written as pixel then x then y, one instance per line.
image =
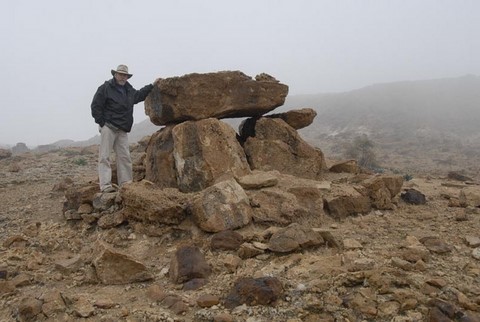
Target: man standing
pixel 112 109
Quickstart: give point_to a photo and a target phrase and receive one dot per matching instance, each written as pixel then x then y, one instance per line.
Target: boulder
pixel 222 206
pixel 144 202
pixel 188 263
pixel 113 267
pixel 298 119
pixel 194 155
pixel 272 144
pixel 291 200
pixel 159 160
pixel 218 95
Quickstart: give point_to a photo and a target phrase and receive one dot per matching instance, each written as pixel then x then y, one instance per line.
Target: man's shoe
pixel 109 189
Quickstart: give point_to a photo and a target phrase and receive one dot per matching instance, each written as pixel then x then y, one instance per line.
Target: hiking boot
pixel 109 190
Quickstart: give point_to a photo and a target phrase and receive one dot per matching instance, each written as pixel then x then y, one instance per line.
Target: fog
pixel 56 53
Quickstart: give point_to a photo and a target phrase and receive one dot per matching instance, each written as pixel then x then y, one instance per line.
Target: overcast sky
pixel 55 53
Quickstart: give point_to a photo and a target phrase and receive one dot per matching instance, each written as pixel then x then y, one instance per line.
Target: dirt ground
pixel 385 271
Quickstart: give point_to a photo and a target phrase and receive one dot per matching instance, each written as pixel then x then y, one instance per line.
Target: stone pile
pixel 197 168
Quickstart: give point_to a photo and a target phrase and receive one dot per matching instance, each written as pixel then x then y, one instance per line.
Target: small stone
pixel 207 300
pixel 104 303
pixel 472 241
pixel 350 243
pixel 155 293
pixel 29 308
pixel 476 253
pixel 437 282
pixel 223 317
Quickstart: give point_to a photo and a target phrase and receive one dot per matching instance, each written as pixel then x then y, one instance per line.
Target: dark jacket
pixel 112 106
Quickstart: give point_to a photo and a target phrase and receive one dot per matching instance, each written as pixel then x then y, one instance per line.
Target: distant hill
pixel 438 107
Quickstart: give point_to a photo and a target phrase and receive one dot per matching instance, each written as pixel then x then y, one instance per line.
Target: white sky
pixel 55 53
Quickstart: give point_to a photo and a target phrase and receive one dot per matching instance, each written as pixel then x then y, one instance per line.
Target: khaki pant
pixel 117 141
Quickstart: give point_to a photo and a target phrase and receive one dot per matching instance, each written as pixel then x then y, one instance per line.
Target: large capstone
pixel 220 95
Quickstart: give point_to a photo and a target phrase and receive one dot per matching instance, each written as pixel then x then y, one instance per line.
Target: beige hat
pixel 121 69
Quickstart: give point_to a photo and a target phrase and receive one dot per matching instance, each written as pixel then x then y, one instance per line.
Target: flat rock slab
pixel 219 95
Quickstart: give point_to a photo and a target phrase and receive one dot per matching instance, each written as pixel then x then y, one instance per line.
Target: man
pixel 112 109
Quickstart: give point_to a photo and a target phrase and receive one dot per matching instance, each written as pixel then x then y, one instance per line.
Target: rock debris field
pixel 225 226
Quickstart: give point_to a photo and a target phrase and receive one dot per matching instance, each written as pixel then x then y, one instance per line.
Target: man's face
pixel 121 78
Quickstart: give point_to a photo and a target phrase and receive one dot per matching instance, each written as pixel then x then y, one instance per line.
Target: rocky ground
pixel 413 263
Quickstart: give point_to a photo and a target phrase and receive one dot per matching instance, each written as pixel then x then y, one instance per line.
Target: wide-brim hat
pixel 121 69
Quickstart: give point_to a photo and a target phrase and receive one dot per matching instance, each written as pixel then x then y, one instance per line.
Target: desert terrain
pixel 411 263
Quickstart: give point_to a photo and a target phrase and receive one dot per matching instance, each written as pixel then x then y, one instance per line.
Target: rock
pixel 297 119
pixel 345 200
pixel 350 243
pixel 219 95
pixel 69 265
pixel 470 196
pixel 292 200
pixel 258 180
pixel 223 317
pixel 143 202
pixel 83 308
pixel 103 201
pixel 226 240
pixel 195 155
pixel 247 250
pixel 413 197
pixel 188 263
pixel 381 189
pixel 436 245
pixel 271 144
pixel 6 287
pixel 22 280
pixel 4 153
pixel 77 195
pixel 104 303
pixel 113 267
pixel 258 291
pixel 348 166
pixel 207 300
pixel 156 293
pixel 115 219
pixel 222 206
pixel 458 176
pixel 53 303
pixel 294 237
pixel 29 308
pixel 472 241
pixel 231 262
pixel 476 253
pixel 194 284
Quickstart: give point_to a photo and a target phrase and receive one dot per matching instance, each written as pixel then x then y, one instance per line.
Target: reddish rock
pixel 254 291
pixel 188 263
pixel 226 240
pixel 207 300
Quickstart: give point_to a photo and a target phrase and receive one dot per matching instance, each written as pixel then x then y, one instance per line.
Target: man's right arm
pixel 98 104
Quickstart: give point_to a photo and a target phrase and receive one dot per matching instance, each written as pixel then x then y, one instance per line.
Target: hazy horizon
pixel 57 53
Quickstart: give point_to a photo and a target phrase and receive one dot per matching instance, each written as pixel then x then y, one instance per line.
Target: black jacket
pixel 111 105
